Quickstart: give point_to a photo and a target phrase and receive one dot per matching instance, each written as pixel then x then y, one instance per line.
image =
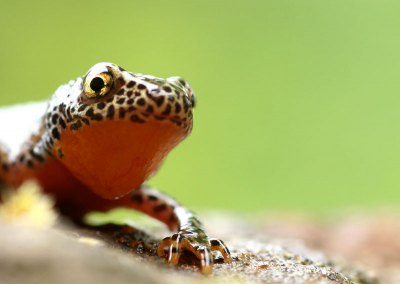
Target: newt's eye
pixel 97 85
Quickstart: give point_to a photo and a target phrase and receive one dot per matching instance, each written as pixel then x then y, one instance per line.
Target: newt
pixel 97 141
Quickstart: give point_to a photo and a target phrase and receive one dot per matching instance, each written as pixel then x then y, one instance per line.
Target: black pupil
pixel 97 84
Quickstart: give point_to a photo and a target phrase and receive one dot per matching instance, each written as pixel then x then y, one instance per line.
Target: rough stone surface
pixel 354 248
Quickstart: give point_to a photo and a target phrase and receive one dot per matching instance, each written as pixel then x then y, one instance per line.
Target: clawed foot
pixel 200 245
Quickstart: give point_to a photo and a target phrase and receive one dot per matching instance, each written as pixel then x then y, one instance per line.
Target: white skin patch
pixel 18 123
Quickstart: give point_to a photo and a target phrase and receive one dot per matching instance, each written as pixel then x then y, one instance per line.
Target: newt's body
pixel 98 140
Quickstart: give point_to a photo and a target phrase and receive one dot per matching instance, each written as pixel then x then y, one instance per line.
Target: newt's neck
pixel 115 157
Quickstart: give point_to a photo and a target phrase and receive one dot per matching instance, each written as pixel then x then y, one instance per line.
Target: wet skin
pixel 98 140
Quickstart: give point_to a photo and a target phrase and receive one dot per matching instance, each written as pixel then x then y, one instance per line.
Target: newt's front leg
pixel 190 233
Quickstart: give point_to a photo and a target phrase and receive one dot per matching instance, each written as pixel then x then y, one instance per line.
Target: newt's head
pixel 112 128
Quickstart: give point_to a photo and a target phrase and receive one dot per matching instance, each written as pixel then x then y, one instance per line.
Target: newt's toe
pixel 174 244
pixel 201 247
pixel 217 244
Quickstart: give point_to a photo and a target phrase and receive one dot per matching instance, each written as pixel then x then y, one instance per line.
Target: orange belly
pixel 113 158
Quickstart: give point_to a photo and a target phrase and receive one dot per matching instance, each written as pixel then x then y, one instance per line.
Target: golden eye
pixel 97 85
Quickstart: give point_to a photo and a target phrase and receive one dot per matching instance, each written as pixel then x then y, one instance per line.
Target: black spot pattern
pixel 137 198
pixel 141 102
pixel 167 110
pixel 54 118
pixel 152 197
pixel 89 112
pixel 167 89
pixel 157 99
pixel 55 134
pixel 177 108
pixel 150 109
pixel 62 123
pixel 186 105
pixel 101 105
pixel 76 125
pixel 68 112
pixel 160 208
pixel 111 111
pixel 131 84
pixel 136 118
pixel 121 113
pixel 60 153
pixel 97 117
pixel 83 107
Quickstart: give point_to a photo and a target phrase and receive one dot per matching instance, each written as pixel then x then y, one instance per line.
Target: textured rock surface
pixel 362 248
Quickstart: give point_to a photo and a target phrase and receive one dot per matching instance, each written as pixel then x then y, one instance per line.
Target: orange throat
pixel 113 158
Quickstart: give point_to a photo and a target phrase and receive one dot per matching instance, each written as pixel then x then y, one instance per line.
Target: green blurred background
pixel 298 101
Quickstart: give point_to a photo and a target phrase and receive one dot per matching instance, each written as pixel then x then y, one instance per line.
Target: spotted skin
pixel 139 98
pixel 191 235
pixel 102 136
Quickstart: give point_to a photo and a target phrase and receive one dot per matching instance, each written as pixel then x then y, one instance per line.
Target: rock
pixel 354 248
pixel 50 256
pixel 121 254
